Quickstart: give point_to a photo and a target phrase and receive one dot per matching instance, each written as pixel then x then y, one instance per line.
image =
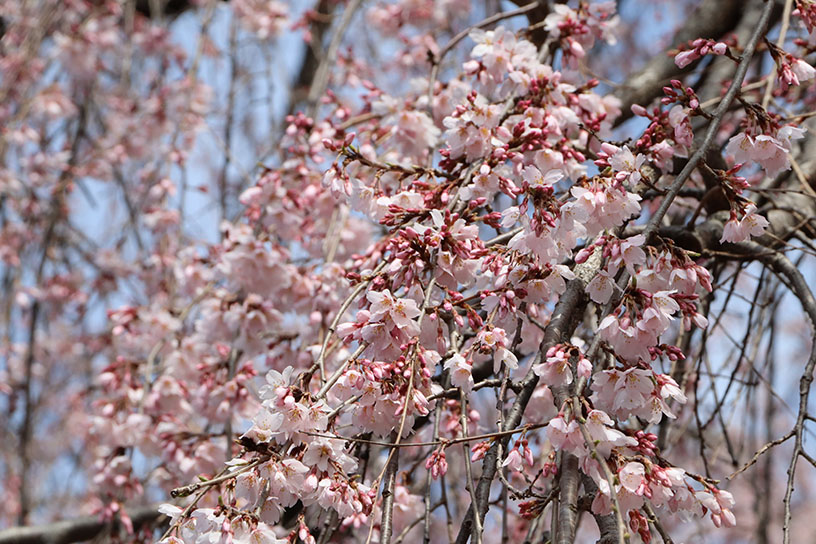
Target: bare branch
pixel 78 530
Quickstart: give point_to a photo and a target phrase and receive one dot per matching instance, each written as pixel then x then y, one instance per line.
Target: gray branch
pixel 564 320
pixel 78 530
pixel 712 19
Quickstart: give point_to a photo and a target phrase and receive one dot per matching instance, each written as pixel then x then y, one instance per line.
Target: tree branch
pixel 78 530
pixel 783 267
pixel 564 319
pixel 712 19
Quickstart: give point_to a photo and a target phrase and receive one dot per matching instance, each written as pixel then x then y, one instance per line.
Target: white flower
pixel 401 310
pixel 600 289
pixel 460 372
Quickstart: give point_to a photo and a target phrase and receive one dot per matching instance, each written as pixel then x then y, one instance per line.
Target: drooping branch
pixel 783 267
pixel 718 115
pixel 565 318
pixel 569 477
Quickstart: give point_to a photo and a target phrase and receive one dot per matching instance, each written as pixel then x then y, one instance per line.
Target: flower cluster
pixel 699 48
pixel 438 253
pixel 770 151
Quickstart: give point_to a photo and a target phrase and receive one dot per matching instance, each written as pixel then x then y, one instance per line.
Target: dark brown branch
pixel 721 110
pixel 78 530
pixel 170 8
pixel 539 35
pixel 607 524
pixel 569 481
pixel 322 75
pixel 314 50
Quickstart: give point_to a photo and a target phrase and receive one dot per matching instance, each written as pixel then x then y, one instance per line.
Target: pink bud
pixel 639 110
pixel 528 456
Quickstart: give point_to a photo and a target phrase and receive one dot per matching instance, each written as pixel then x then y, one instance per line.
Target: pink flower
pixel 631 252
pixel 555 371
pixel 771 152
pixel 564 436
pixel 583 368
pixel 632 477
pixel 496 339
pixel 599 427
pixel 479 450
pixel 537 180
pixel 460 372
pixel 792 71
pixel 684 58
pixel 437 464
pixel 802 70
pixel 601 287
pixel 740 147
pixel 504 355
pixel 701 47
pixel 633 387
pixel 402 311
pixel 261 533
pixel 669 388
pixel 751 225
pixel 510 216
pixel 719 503
pixel 624 162
pixel 514 460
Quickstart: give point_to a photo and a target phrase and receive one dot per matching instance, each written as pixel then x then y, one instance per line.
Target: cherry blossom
pixel 332 311
pixel 719 502
pixel 699 48
pixel 401 311
pixel 771 152
pixel 751 225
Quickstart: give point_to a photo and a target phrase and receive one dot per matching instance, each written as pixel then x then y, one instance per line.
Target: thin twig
pixel 434 443
pixel 336 321
pixel 477 525
pixel 784 268
pixel 766 97
pixel 192 488
pixel 759 453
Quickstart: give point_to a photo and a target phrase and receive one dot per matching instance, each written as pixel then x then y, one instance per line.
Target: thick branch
pixel 311 57
pixel 170 8
pixel 77 530
pixel 388 495
pixel 712 19
pixel 568 481
pixel 607 524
